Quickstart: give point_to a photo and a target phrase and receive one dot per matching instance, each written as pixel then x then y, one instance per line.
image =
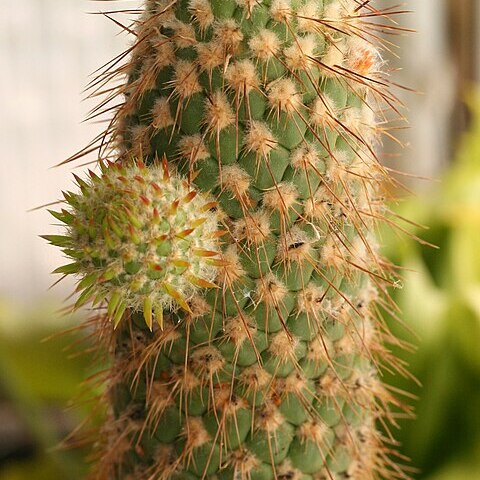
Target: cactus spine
pixel 237 204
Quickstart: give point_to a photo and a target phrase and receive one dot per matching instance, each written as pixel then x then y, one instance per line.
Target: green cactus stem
pixel 256 252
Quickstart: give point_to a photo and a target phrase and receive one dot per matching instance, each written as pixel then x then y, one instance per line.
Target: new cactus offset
pixel 236 205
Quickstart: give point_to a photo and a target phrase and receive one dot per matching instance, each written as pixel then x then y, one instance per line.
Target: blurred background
pixel 48 49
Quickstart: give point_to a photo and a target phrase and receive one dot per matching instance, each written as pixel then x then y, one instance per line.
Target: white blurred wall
pixel 47 50
pixel 426 67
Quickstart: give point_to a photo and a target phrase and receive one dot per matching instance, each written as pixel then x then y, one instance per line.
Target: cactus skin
pixel 270 107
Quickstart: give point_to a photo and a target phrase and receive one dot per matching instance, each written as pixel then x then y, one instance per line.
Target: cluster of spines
pixel 140 238
pixel 272 106
pixel 308 408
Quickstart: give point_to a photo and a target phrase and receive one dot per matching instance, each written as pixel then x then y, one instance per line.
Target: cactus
pixel 236 205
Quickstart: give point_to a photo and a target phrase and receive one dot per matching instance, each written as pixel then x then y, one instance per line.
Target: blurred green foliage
pixel 38 380
pixel 440 303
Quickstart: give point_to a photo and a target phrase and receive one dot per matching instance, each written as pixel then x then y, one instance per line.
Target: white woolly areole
pixel 228 34
pixel 300 54
pixel 254 228
pixel 308 16
pixel 265 44
pixel 184 33
pixel 201 11
pixel 242 77
pixel 341 11
pixel 281 197
pixel 210 55
pixel 362 57
pixel 218 112
pixel 283 96
pixel 259 139
pixel 323 111
pixel 305 157
pixel 281 10
pixel 193 148
pixel 249 4
pixel 161 115
pixel 236 180
pixel 333 58
pixel 164 51
pixel 185 79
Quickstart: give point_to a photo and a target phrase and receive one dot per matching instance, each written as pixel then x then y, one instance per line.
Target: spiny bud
pixel 140 239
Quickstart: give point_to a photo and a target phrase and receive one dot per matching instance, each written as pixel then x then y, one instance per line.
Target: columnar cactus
pixel 236 205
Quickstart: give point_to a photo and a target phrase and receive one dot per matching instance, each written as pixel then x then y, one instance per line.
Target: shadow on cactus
pixel 275 110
